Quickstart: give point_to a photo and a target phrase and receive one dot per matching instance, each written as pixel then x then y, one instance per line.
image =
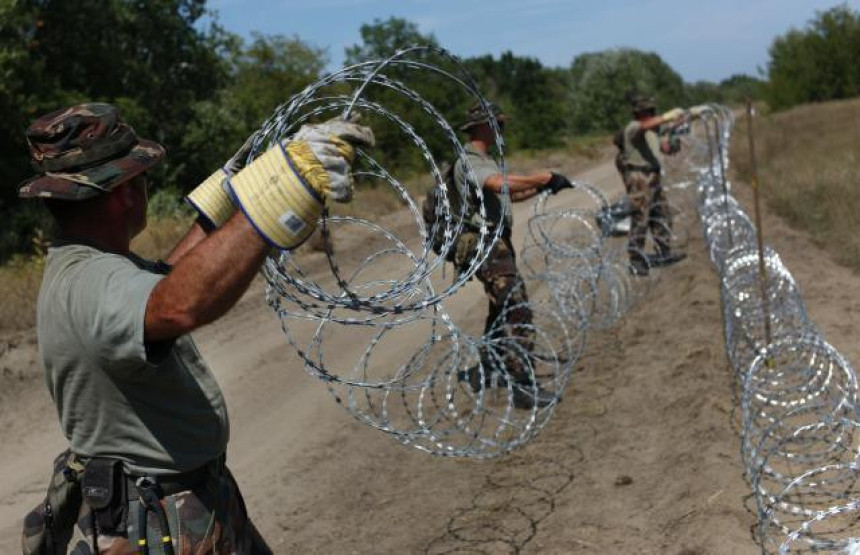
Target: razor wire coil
pixel 798 394
pixel 418 375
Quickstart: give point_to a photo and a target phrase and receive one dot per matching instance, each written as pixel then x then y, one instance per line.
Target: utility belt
pixel 116 512
pixel 171 484
pixel 643 169
pixel 119 502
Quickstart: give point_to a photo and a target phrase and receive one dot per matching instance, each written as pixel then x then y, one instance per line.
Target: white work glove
pixel 283 192
pixel 673 114
pixel 211 198
pixel 331 144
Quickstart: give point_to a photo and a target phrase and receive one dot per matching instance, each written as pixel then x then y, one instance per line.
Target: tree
pixel 735 90
pixel 602 84
pixel 263 75
pixel 817 63
pixel 381 39
pixel 150 58
pixel 533 95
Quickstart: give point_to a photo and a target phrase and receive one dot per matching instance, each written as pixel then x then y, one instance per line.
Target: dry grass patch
pixel 21 278
pixel 809 168
pixel 160 236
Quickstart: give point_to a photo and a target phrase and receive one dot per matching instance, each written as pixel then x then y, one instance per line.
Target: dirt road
pixel 642 456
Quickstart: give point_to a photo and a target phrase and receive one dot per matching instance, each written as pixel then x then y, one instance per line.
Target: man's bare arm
pixel 206 281
pixel 517 183
pixel 192 237
pixel 676 116
pixel 524 195
pixel 651 123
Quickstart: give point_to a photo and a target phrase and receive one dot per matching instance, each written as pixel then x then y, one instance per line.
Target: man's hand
pixel 283 192
pixel 329 146
pixel 556 183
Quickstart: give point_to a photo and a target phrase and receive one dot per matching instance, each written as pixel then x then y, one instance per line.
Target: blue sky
pixel 702 40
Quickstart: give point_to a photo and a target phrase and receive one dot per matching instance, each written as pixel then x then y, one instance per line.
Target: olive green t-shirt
pixel 157 407
pixel 641 148
pixel 483 167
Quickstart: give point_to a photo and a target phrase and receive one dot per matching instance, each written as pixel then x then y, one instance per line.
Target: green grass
pixel 809 170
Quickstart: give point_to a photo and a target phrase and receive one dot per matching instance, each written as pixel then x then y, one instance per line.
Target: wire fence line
pixel 798 395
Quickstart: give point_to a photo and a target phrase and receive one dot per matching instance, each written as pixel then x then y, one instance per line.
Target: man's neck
pixel 479 146
pixel 101 239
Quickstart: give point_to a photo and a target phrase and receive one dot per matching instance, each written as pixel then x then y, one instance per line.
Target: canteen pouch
pixel 48 528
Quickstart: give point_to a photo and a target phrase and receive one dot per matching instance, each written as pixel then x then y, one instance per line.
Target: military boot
pixel 527 396
pixel 665 257
pixel 638 266
pixel 492 377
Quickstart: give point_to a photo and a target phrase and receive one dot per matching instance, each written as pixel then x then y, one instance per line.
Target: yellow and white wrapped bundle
pixel 272 193
pixel 211 199
pixel 283 191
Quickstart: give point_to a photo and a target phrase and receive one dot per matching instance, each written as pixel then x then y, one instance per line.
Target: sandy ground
pixel 642 455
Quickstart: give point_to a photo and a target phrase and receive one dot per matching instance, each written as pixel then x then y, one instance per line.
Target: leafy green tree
pixel 816 63
pixel 263 75
pixel 737 89
pixel 534 96
pixel 150 58
pixel 703 91
pixel 602 84
pixel 382 38
pixel 152 53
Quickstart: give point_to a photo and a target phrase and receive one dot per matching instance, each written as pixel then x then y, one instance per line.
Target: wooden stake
pixel 762 267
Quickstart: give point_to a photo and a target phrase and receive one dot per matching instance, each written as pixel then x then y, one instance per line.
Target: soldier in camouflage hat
pixel 145 419
pixel 83 151
pixel 508 317
pixel 639 162
pixel 139 406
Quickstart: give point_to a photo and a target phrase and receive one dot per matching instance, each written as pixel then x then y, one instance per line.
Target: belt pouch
pixel 104 489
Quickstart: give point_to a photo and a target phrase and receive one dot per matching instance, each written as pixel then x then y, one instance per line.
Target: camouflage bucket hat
pixel 643 104
pixel 477 115
pixel 83 151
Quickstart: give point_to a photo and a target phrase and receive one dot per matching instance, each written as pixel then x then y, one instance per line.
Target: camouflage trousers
pixel 509 319
pixel 208 519
pixel 650 211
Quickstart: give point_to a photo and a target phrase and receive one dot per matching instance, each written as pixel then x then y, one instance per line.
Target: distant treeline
pixel 200 89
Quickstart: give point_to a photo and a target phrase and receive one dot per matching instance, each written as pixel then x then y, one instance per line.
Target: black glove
pixel 556 183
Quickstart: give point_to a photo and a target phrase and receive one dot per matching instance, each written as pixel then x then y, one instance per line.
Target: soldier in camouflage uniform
pixel 143 413
pixel 640 168
pixel 508 317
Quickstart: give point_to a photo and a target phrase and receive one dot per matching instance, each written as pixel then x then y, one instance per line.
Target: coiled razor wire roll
pixel 798 394
pixel 587 272
pixel 420 374
pixel 353 91
pixel 386 288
